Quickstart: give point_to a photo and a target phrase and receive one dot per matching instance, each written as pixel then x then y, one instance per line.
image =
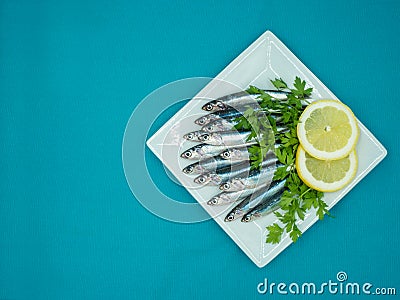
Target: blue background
pixel 71 73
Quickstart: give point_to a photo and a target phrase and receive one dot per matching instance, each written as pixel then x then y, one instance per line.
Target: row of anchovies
pixel 222 159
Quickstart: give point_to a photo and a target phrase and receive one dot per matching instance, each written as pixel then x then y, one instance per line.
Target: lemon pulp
pixel 325 175
pixel 328 130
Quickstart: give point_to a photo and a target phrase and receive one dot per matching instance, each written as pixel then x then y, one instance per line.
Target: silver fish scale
pixel 264 208
pixel 252 201
pixel 254 179
pixel 229 138
pixel 209 164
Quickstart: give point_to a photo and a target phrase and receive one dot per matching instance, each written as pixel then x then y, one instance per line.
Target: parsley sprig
pixel 298 198
pixel 261 130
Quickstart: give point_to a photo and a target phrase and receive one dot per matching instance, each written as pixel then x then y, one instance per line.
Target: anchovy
pixel 224 198
pixel 205 150
pixel 252 201
pixel 208 165
pixel 194 136
pixel 231 137
pixel 240 99
pixel 230 114
pixel 255 178
pixel 263 208
pixel 233 113
pixel 238 153
pixel 226 114
pixel 228 138
pixel 220 176
pixel 220 125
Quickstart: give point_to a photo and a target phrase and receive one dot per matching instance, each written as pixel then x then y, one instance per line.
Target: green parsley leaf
pixel 300 90
pixel 274 234
pixel 295 233
pixel 252 90
pixel 279 83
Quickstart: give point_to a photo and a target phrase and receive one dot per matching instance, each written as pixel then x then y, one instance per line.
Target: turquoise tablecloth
pixel 71 72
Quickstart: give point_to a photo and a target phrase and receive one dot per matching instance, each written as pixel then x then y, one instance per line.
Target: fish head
pixel 198 169
pixel 218 125
pixel 226 154
pixel 251 216
pixel 189 136
pixel 189 154
pixel 233 215
pixel 209 127
pixel 215 179
pixel 213 201
pixel 230 217
pixel 225 186
pixel 202 120
pixel 192 136
pixel 211 138
pixel 237 184
pixel 220 199
pixel 193 153
pixel 214 106
pixel 205 137
pixel 247 218
pixel 209 106
pixel 203 179
pixel 190 169
pixel 233 154
pixel 234 184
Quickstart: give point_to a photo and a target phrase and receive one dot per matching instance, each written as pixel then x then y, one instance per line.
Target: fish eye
pixel 227 154
pixel 226 186
pixel 230 217
pixel 213 201
pixel 209 107
pixel 189 136
pixel 205 137
pixel 202 121
pixel 246 219
pixel 188 154
pixel 202 179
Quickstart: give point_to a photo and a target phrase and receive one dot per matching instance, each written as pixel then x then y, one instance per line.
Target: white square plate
pixel 265 59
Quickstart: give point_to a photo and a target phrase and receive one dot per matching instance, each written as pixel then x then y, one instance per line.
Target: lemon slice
pixel 325 175
pixel 327 129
